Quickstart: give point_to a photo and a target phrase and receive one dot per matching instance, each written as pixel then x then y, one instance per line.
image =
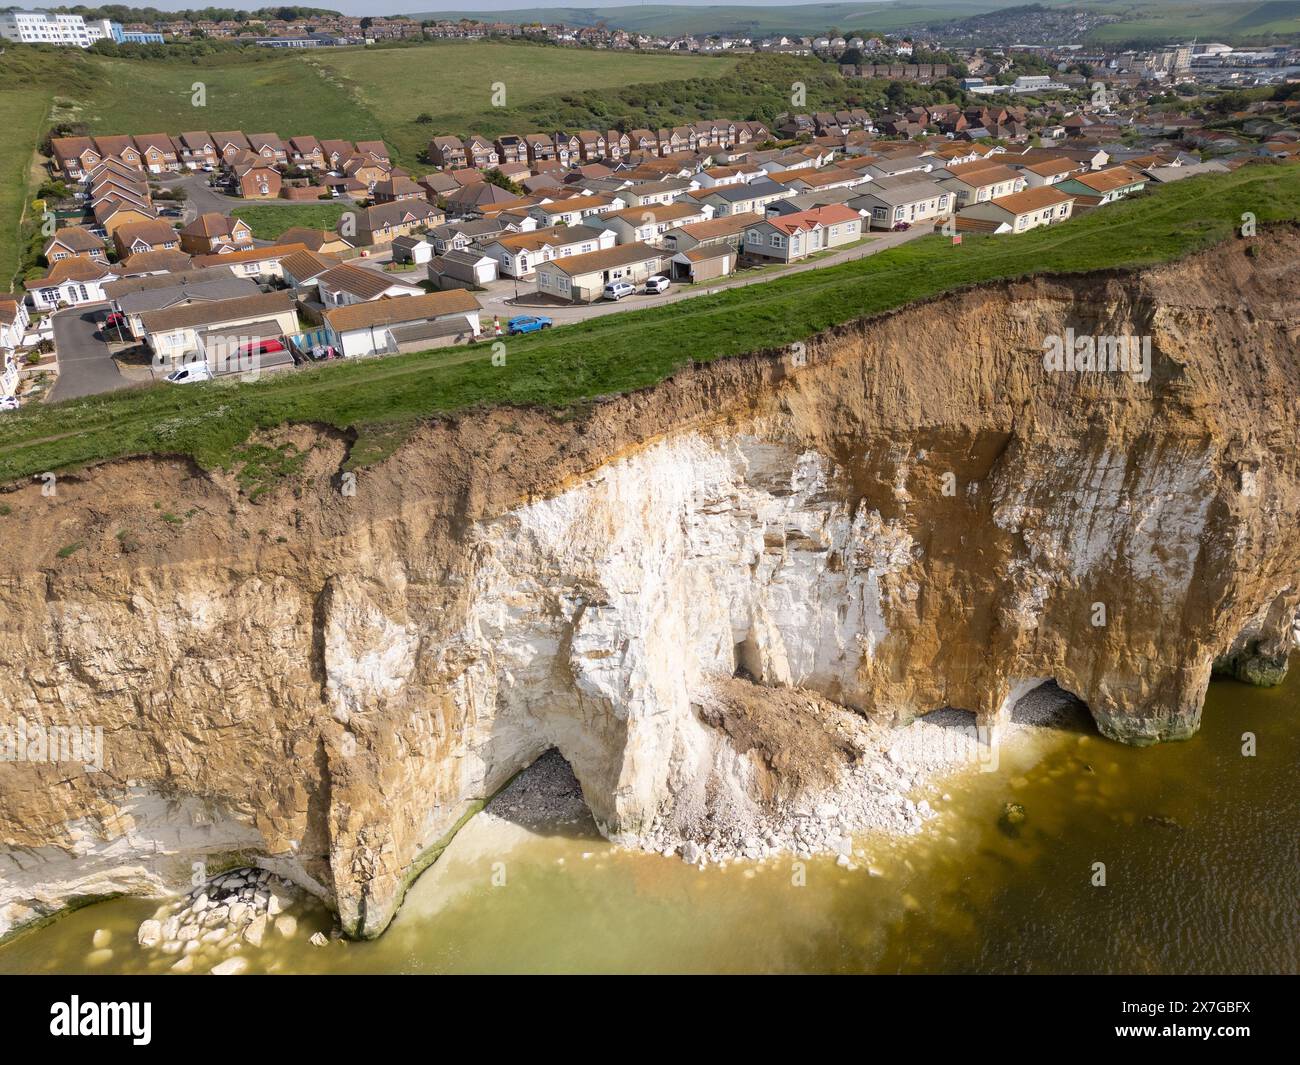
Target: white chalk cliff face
pixel 598 613
pixel 919 517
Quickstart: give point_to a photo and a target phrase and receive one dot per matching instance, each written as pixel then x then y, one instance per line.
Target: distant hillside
pixel 674 20
pixel 1027 24
pixel 1154 20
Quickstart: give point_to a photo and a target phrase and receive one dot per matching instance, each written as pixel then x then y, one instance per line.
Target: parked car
pixel 262 347
pixel 189 374
pixel 8 403
pixel 657 284
pixel 901 227
pixel 114 320
pixel 528 323
pixel 616 290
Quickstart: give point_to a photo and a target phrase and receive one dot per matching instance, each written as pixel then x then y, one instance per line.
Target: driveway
pixel 86 366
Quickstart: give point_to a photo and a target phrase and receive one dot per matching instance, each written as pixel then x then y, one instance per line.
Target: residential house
pixel 74 157
pixel 411 322
pixel 146 263
pixel 726 229
pixel 306 152
pixel 377 149
pixel 120 148
pixel 978 182
pixel 320 241
pixel 257 180
pixel 212 330
pixel 346 284
pixel 582 278
pixel 790 237
pixel 14 320
pixel 480 153
pixel 302 269
pixel 592 145
pixel 1023 211
pixel 476 197
pixel 215 232
pixel 470 268
pixel 575 209
pixel 74 240
pixel 261 263
pixel 655 193
pixel 112 213
pixel 568 149
pixel 151 235
pixel 335 153
pixel 447 152
pixel 269 148
pixel 540 148
pixel 904 204
pixel 197 150
pixel 648 225
pixel 1048 171
pixel 158 153
pixel 70 281
pixel 134 297
pixel 369 170
pixel 230 145
pixel 742 199
pixel 1103 186
pixel 519 254
pixel 511 149
pixel 393 189
pixel 379 224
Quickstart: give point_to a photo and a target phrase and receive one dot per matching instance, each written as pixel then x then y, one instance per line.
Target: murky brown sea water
pixel 1201 848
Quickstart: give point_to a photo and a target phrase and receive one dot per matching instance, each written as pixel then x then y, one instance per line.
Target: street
pixel 86 366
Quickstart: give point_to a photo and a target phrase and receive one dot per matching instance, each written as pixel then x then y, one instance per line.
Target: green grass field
pixel 269 222
pixel 1182 21
pixel 383 399
pixel 453 82
pixel 281 95
pixel 24 112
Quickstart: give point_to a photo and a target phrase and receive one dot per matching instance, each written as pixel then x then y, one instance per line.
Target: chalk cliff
pixel 906 513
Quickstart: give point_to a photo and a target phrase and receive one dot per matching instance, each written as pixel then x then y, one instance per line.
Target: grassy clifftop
pixel 383 399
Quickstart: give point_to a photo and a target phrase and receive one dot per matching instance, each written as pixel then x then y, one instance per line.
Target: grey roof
pixel 155 299
pixel 735 193
pixel 806 200
pixel 910 193
pixel 466 257
pixel 899 165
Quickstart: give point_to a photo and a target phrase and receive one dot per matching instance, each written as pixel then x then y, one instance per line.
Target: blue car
pixel 528 323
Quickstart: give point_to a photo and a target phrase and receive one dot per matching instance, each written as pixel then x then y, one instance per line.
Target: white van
pixel 189 374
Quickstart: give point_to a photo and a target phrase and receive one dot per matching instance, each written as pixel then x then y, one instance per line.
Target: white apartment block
pixel 44 27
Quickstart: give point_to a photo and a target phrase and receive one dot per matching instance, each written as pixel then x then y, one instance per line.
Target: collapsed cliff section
pixel 906 513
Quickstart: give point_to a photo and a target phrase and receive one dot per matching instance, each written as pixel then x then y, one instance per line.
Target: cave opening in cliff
pixel 748 661
pixel 546 798
pixel 1048 705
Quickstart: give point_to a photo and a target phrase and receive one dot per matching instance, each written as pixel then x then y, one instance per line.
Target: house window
pixel 753 237
pixel 776 240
